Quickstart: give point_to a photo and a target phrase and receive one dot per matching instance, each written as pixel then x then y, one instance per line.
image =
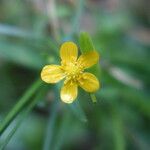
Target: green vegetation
pixel 32 116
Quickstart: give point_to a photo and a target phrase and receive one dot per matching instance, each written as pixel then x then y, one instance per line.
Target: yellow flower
pixel 72 69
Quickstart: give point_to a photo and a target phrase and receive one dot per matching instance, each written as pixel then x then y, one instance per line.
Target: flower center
pixel 72 71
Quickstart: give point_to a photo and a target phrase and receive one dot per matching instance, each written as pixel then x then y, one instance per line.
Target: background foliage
pixel 31 32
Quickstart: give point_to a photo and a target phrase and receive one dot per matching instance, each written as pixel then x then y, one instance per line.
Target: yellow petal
pixel 68 52
pixel 89 82
pixel 69 92
pixel 52 73
pixel 88 59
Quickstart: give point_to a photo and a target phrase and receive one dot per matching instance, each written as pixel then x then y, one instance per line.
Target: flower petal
pixel 88 59
pixel 68 52
pixel 69 92
pixel 89 82
pixel 52 73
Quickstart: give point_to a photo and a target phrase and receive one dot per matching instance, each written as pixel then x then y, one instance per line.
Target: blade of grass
pixel 6 29
pixel 21 54
pixel 117 129
pixel 51 123
pixel 20 105
pixel 22 116
pixel 62 132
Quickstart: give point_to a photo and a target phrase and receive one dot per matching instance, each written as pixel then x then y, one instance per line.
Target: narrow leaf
pixel 85 41
pixel 19 106
pixel 86 45
pixel 22 116
pixel 51 123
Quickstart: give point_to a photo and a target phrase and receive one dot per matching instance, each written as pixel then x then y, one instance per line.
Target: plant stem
pixel 20 105
pixel 93 97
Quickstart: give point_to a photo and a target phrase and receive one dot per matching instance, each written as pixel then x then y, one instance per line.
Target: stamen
pixel 73 71
pixel 84 77
pixel 81 82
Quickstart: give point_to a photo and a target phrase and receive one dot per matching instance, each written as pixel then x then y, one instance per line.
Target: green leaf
pixel 86 45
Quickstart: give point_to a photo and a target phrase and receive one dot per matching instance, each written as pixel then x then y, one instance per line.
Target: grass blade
pixel 19 106
pixel 20 54
pixel 51 123
pixel 118 134
pixel 21 118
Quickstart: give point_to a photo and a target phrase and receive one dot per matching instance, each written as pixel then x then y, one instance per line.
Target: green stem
pixel 93 97
pixel 20 105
